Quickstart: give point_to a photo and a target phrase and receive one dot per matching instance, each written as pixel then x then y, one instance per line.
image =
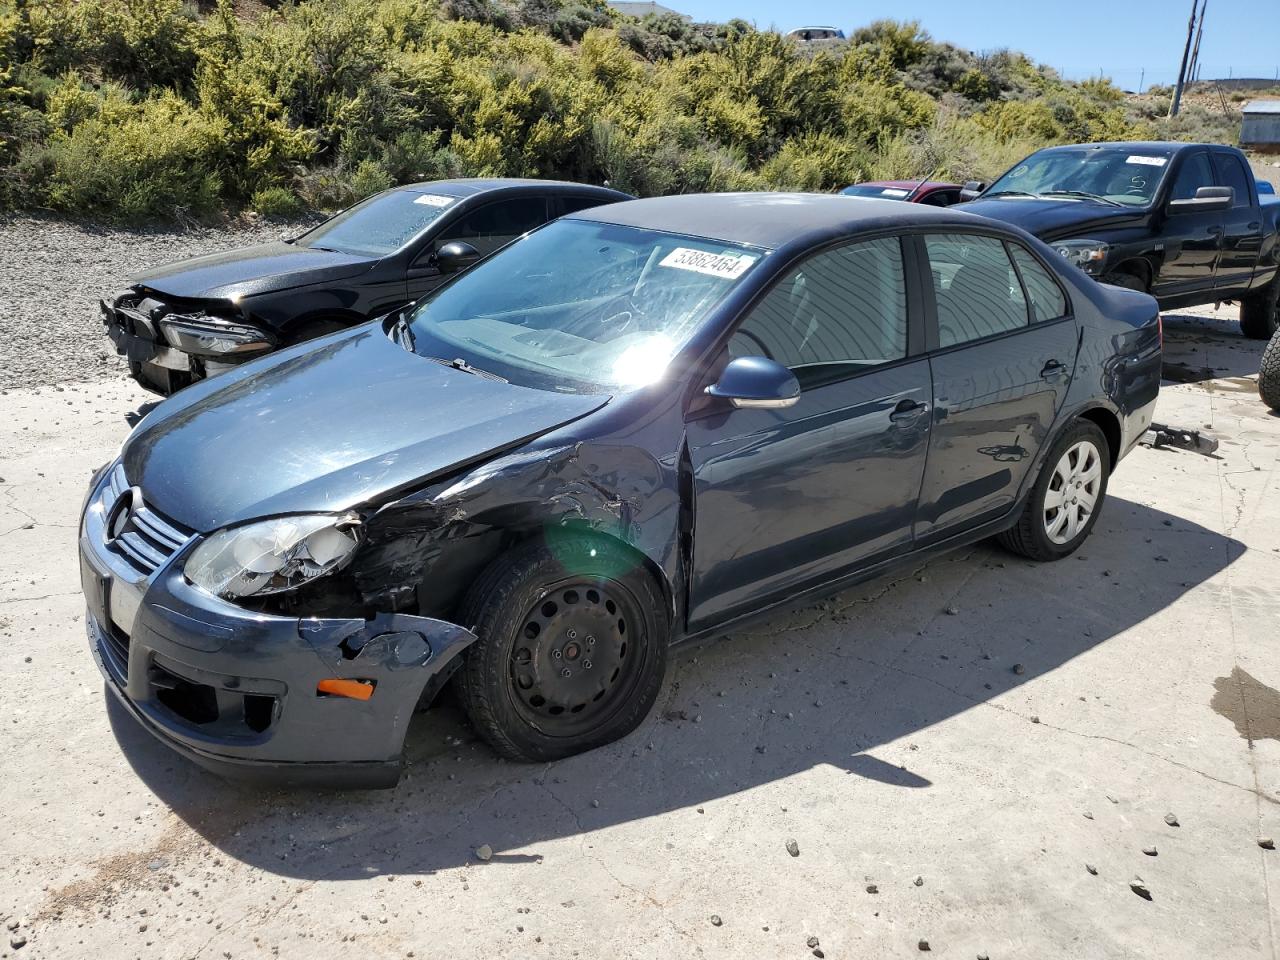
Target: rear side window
pixel 1047 299
pixel 1231 174
pixel 838 312
pixel 574 204
pixel 1195 173
pixel 496 224
pixel 977 291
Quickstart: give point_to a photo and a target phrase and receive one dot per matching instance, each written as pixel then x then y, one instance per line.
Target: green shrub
pixel 276 202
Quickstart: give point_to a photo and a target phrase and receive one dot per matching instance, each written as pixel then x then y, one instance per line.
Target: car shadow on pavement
pixel 831 684
pixel 1198 348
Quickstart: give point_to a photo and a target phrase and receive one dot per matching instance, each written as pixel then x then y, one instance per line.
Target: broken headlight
pixel 210 335
pixel 272 556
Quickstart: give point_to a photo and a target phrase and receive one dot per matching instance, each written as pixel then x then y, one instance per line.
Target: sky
pixel 1129 41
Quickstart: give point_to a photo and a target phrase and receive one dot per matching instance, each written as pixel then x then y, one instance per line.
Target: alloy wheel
pixel 1072 495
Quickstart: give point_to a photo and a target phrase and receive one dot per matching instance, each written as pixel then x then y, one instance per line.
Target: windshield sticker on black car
pixel 1148 161
pixel 432 200
pixel 728 266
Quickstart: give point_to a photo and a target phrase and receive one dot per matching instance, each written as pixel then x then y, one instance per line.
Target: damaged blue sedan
pixel 640 424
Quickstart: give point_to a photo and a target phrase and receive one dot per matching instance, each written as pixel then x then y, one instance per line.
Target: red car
pixel 915 191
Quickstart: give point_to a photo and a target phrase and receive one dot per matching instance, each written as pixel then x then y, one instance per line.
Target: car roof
pixel 770 220
pixel 470 186
pixel 1132 145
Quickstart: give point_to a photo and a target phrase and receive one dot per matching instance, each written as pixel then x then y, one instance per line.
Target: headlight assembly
pixel 1088 255
pixel 209 335
pixel 272 556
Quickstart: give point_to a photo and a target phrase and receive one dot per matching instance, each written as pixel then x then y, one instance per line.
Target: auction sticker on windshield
pixel 728 266
pixel 432 200
pixel 1148 161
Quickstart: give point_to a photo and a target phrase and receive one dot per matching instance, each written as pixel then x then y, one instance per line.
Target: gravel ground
pixel 53 273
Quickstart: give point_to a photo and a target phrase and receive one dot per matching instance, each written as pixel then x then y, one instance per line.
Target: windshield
pixel 1125 176
pixel 579 306
pixel 876 190
pixel 378 225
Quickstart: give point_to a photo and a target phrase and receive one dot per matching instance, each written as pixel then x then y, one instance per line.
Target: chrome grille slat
pixel 153 538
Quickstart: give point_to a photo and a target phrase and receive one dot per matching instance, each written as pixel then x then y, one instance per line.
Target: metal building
pixel 1260 126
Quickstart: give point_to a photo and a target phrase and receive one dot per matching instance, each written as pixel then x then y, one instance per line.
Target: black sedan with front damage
pixel 638 425
pixel 196 318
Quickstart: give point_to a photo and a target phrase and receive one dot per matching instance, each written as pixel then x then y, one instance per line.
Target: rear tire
pixel 572 650
pixel 1067 496
pixel 1260 312
pixel 1269 374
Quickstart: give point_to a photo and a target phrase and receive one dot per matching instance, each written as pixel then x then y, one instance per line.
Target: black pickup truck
pixel 1181 221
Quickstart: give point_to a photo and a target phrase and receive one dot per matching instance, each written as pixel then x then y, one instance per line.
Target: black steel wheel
pixel 571 651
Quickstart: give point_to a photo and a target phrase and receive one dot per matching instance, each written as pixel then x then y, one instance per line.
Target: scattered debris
pixel 872 888
pixel 1266 843
pixel 811 942
pixel 1088 815
pixel 1171 820
pixel 918 881
pixel 1150 851
pixel 924 945
pixel 952 611
pixel 793 848
pixel 1019 669
pixel 484 852
pixel 1140 888
pixel 715 920
pixel 1160 435
pixel 1093 871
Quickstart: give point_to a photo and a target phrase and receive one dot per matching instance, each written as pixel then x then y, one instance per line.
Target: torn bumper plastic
pixel 238 691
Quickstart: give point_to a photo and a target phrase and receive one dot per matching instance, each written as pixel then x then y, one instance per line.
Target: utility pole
pixel 1141 77
pixel 1182 70
pixel 1195 50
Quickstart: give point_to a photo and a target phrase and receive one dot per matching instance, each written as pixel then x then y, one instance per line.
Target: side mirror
pixel 1206 200
pixel 971 190
pixel 456 255
pixel 756 383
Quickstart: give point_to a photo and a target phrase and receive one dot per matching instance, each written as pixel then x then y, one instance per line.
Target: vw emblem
pixel 118 519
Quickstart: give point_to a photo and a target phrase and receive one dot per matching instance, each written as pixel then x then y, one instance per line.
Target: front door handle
pixel 1052 370
pixel 908 410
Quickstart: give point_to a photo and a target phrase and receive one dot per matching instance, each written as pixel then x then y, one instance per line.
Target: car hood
pixel 327 426
pixel 263 268
pixel 1052 219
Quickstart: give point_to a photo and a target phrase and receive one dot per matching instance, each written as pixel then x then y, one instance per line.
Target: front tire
pixel 1260 312
pixel 1269 374
pixel 1067 496
pixel 572 650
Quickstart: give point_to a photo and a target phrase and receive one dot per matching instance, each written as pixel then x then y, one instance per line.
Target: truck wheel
pixel 1126 280
pixel 1260 312
pixel 1067 496
pixel 572 648
pixel 1269 374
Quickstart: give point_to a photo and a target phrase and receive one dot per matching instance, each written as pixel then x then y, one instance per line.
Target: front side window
pixel 977 292
pixel 1047 299
pixel 839 312
pixel 496 224
pixel 1231 174
pixel 379 225
pixel 580 306
pixel 1195 173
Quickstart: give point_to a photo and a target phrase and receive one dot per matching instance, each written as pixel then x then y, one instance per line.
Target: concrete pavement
pixel 969 766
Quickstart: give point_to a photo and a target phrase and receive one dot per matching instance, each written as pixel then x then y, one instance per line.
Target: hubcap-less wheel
pixel 1073 492
pixel 573 660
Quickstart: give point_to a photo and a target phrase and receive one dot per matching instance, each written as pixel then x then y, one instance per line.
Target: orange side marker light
pixel 354 689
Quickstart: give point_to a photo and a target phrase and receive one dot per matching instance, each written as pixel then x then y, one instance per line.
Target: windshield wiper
pixel 459 364
pixel 402 332
pixel 1009 193
pixel 1081 193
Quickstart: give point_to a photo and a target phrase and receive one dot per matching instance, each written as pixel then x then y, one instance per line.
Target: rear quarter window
pixel 1048 302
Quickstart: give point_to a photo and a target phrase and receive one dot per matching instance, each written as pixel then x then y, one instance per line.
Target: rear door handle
pixel 1052 369
pixel 908 409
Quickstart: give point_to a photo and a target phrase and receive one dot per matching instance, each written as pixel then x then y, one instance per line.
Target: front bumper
pixel 155 364
pixel 236 691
